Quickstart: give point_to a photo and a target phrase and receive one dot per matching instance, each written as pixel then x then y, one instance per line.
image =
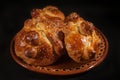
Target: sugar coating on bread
pixel 38 42
pixel 48 35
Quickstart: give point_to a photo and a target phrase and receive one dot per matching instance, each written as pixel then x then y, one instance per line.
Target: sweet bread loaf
pixel 38 42
pixel 81 39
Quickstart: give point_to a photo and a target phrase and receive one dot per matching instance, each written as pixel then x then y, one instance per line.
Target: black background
pixel 104 14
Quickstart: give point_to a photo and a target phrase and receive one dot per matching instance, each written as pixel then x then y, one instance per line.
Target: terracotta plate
pixel 66 66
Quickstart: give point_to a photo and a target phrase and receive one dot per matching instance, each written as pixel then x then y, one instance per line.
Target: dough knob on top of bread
pixel 48 11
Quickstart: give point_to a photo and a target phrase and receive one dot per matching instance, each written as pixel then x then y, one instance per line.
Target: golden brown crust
pixel 33 47
pixel 38 42
pixel 48 35
pixel 81 39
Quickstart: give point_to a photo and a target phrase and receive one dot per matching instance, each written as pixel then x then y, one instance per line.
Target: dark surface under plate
pixel 104 15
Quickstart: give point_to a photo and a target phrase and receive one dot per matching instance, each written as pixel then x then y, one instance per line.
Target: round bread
pixel 38 42
pixel 81 39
